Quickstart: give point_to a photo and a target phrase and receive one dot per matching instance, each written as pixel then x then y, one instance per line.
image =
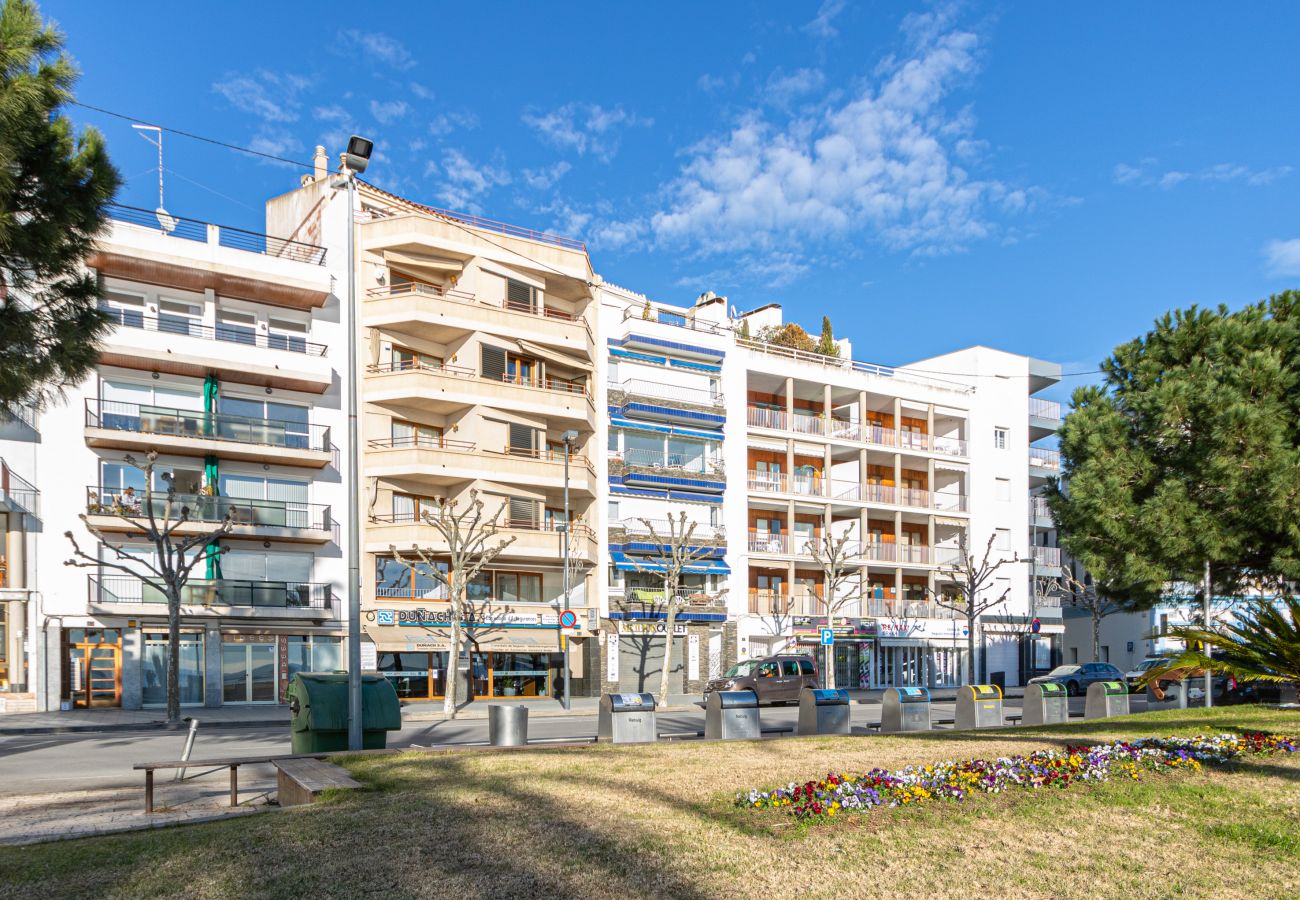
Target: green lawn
pixel 658 821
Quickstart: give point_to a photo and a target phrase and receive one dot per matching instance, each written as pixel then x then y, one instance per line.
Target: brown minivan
pixel 775 679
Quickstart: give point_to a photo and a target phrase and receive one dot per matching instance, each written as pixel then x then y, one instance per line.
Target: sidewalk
pixel 88 720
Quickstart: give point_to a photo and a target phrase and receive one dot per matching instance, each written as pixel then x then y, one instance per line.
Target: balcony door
pixel 248 672
pixel 263 422
pixel 274 502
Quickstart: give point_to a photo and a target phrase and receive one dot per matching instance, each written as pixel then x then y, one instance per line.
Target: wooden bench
pixel 233 763
pixel 302 780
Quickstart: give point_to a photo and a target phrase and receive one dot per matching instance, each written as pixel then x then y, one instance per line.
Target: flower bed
pixel 845 793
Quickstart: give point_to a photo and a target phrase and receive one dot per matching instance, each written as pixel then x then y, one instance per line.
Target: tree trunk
pixel 970 648
pixel 453 663
pixel 1096 635
pixel 670 625
pixel 173 655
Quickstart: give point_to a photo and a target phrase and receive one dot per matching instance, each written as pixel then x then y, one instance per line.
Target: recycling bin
pixel 731 716
pixel 1045 704
pixel 318 712
pixel 507 725
pixel 1106 699
pixel 1166 695
pixel 979 706
pixel 823 711
pixel 905 709
pixel 627 719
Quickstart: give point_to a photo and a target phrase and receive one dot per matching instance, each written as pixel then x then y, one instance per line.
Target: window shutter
pixel 522 437
pixel 494 363
pixel 519 295
pixel 523 513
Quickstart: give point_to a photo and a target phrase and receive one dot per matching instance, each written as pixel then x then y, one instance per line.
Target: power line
pixel 193 136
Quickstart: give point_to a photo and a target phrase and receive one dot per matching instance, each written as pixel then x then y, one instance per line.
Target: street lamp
pixel 355 160
pixel 569 437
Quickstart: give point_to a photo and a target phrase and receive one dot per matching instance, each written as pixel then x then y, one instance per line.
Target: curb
pixel 132 726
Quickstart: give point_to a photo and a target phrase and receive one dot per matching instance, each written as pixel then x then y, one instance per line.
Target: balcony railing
pixel 580 529
pixel 889 608
pixel 640 387
pixel 482 224
pixel 673 318
pixel 835 362
pixel 232 334
pixel 1045 459
pixel 817 486
pixel 420 442
pixel 225 236
pixel 801 422
pixel 672 462
pixel 1047 556
pixel 102 500
pixel 217 592
pixel 1044 409
pixel 656 597
pixel 766 602
pixel 662 527
pixel 467 298
pixel 545 384
pixel 1038 508
pixel 114 415
pixel 766 542
pixel 908 554
pixel 19 490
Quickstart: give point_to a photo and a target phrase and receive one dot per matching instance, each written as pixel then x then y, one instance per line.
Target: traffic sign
pixel 569 620
pixel 1036 626
pixel 828 636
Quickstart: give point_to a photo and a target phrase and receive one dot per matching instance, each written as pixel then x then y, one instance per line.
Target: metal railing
pixel 417 365
pixel 1043 458
pixel 836 362
pixel 215 592
pixel 640 387
pixel 544 384
pixel 817 486
pixel 231 334
pixel 580 529
pixel 767 542
pixel 649 312
pixel 845 430
pixel 785 603
pixel 470 299
pixel 420 442
pixel 669 462
pixel 225 236
pixel 903 610
pixel 1047 556
pixel 1038 508
pixel 543 237
pixel 19 490
pixel 102 500
pixel 114 415
pixel 663 527
pixel 1044 409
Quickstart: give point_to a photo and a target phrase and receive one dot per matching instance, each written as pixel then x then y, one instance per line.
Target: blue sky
pixel 1038 177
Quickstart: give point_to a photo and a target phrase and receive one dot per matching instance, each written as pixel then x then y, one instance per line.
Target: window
pixel 523 440
pixel 1003 540
pixel 790 668
pixel 412 508
pixel 767 670
pixel 124 309
pixel 806 667
pixel 396 579
pixel 266 565
pixel 153 669
pixel 522 369
pixel 1003 487
pixel 1105 654
pixel 402 359
pixel 413 434
pixel 237 327
pixel 287 334
pixel 269 421
pixel 613 511
pixel 613 440
pixel 313 653
pixel 494 362
pixel 179 317
pixel 519 296
pixel 1000 438
pixel 1074 656
pixel 518 587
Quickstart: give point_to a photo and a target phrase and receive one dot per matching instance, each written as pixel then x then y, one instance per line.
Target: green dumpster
pixel 318 711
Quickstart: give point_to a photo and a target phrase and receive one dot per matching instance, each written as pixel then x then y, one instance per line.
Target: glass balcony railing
pixel 114 415
pixel 805 423
pixel 215 592
pixel 102 500
pixel 232 334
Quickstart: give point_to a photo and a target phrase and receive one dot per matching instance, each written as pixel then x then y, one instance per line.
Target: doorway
pixel 94 667
pixel 248 673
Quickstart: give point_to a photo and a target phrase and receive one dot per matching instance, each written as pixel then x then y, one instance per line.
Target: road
pixel 90 760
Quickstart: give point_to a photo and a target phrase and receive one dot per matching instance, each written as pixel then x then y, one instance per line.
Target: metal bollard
pixel 507 725
pixel 189 745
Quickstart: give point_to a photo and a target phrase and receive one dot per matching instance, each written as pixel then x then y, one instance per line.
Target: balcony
pixel 188 432
pixel 534 541
pixel 1044 417
pixel 889 608
pixel 124 594
pixel 652 469
pixel 766 602
pixel 178 345
pixel 1047 557
pixel 909 554
pixel 442 389
pixel 442 462
pixel 702 534
pixel 451 313
pixel 111 510
pixel 1043 462
pixel 17 494
pixel 854 492
pixel 1040 514
pixel 817 425
pixel 196 256
pixel 641 399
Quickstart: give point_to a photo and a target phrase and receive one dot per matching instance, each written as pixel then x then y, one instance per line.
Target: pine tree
pixel 826 346
pixel 744 328
pixel 54 188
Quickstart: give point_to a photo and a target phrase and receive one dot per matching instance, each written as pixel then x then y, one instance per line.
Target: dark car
pixel 1135 675
pixel 775 679
pixel 1077 678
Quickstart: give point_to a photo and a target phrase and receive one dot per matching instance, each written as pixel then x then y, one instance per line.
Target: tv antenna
pixel 166 221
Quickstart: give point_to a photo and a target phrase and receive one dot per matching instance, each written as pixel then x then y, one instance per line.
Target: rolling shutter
pixel 494 362
pixel 519 295
pixel 523 513
pixel 522 437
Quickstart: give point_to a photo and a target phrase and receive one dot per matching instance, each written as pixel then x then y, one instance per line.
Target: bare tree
pixel 468 535
pixel 840 585
pixel 674 555
pixel 972 580
pixel 157 520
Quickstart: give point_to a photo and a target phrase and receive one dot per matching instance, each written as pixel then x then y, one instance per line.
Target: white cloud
pixel 585 127
pixel 613 235
pixel 275 143
pixel 881 161
pixel 332 113
pixel 378 47
pixel 388 111
pixel 821 26
pixel 542 179
pixel 421 91
pixel 782 89
pixel 464 182
pixel 710 83
pixel 447 122
pixel 269 96
pixel 1148 173
pixel 1282 258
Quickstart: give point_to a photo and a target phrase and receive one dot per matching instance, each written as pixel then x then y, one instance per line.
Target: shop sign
pixel 651 627
pixel 422 617
pixel 921 628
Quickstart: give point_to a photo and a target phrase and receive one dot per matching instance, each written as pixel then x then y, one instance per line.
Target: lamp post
pixel 568 438
pixel 355 161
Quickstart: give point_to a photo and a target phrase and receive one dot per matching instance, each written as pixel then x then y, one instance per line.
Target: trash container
pixel 1166 695
pixel 1106 699
pixel 1045 704
pixel 979 706
pixel 905 709
pixel 318 711
pixel 507 725
pixel 731 716
pixel 627 719
pixel 823 711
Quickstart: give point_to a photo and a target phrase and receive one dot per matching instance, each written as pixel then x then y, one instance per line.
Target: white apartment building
pixel 20 523
pixel 224 360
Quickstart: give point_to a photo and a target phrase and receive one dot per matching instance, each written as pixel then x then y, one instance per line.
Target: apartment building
pixel 665 438
pixel 223 360
pixel 478 359
pixel 19 523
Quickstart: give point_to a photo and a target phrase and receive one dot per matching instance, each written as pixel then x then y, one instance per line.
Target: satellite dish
pixel 166 221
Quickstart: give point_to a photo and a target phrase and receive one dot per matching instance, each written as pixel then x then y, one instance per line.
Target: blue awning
pixel 623 563
pixel 618 421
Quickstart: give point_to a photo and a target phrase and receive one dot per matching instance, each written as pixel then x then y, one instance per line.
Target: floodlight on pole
pixel 357 156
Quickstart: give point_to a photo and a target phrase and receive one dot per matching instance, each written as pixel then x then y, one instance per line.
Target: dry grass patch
pixel 659 821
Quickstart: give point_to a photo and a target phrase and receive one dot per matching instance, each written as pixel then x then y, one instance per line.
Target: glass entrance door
pixel 95 667
pixel 248 673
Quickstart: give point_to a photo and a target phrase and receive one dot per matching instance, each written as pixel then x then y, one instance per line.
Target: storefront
pixel 422 675
pixel 92 667
pixel 919 653
pixel 633 648
pixel 852 652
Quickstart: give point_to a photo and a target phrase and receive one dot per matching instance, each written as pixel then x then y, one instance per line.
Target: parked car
pixel 1077 678
pixel 1135 675
pixel 775 679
